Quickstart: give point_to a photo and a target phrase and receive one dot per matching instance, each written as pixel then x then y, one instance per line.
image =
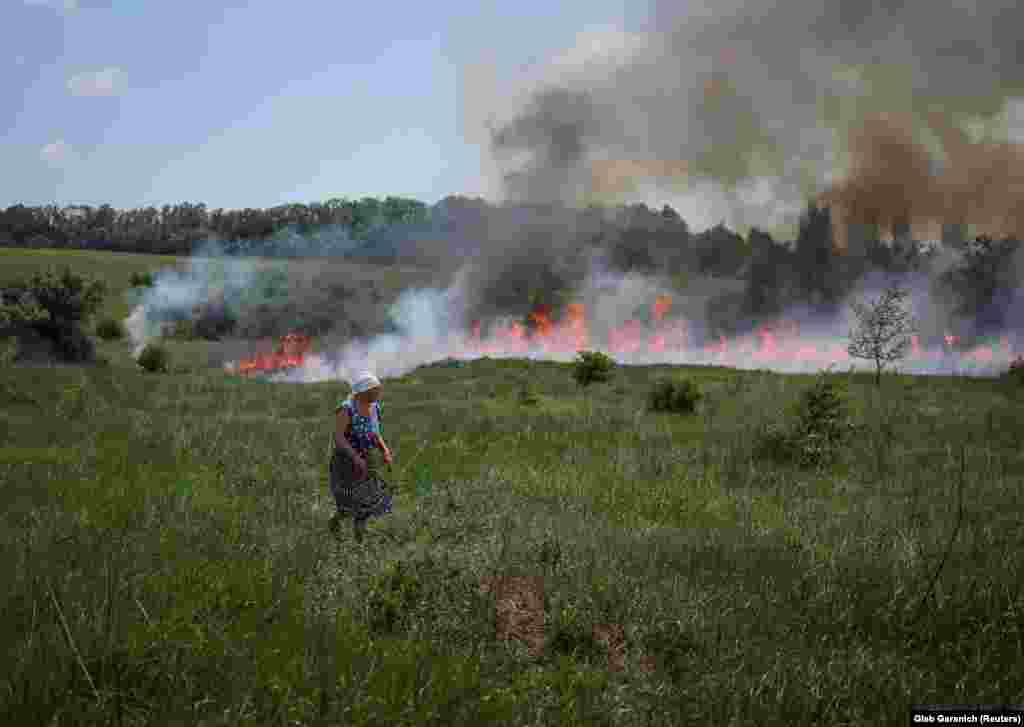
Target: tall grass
pixel 168 560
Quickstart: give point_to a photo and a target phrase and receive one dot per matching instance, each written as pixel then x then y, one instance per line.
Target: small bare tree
pixel 883 331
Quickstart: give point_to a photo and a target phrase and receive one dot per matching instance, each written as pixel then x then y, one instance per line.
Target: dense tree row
pixel 177 229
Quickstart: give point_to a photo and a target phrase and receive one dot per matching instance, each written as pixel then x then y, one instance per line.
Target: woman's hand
pixel 388 459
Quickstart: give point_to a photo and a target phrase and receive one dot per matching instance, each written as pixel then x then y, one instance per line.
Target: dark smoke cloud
pixel 556 131
pixel 746 89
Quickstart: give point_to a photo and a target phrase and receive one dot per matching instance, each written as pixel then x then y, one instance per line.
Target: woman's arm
pixel 384 447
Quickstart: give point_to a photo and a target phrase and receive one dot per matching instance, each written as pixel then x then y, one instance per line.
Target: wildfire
pixel 290 353
pixel 662 337
pixel 776 342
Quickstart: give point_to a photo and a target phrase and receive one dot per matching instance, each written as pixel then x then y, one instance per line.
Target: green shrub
pixel 55 305
pixel 815 438
pixel 142 280
pixel 18 307
pixel 110 329
pixel 591 367
pixel 155 358
pixel 72 345
pixel 68 298
pixel 823 421
pixel 675 396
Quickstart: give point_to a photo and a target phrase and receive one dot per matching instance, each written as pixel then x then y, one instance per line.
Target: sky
pixel 254 104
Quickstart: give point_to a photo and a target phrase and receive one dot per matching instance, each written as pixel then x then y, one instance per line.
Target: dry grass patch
pixel 519 609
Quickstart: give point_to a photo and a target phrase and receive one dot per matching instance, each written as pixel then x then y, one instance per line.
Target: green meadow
pixel 563 558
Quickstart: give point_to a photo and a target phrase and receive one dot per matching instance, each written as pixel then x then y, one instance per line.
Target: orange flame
pixel 776 342
pixel 662 306
pixel 290 353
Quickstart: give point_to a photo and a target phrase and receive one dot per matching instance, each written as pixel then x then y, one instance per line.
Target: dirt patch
pixel 647 664
pixel 612 637
pixel 520 615
pixel 519 609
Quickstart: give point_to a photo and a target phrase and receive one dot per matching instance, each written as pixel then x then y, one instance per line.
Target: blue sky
pixel 253 104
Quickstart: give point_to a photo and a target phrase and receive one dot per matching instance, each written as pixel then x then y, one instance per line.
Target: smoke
pixel 775 103
pixel 322 241
pixel 209 277
pixel 425 331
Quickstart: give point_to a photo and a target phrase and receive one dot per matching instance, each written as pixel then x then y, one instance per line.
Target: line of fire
pixel 543 332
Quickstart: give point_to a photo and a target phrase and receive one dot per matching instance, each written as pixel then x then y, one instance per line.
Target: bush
pixel 55 305
pixel 110 329
pixel 591 367
pixel 142 280
pixel 68 298
pixel 820 429
pixel 18 307
pixel 822 412
pixel 72 345
pixel 155 358
pixel 675 396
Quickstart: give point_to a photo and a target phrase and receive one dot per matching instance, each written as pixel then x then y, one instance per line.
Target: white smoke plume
pixel 176 291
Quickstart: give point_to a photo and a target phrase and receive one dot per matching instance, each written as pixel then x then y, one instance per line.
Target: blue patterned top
pixel 363 427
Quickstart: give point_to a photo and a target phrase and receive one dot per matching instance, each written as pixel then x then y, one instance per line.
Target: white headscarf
pixel 364 382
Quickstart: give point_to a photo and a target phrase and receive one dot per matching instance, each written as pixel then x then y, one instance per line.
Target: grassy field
pixel 577 561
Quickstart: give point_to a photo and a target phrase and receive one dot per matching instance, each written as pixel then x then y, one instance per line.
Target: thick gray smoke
pixel 751 104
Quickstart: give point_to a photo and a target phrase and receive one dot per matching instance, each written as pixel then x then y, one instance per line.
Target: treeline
pixel 635 237
pixel 178 229
pixel 390 230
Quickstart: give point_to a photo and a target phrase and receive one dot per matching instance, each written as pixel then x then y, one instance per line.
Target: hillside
pixel 578 557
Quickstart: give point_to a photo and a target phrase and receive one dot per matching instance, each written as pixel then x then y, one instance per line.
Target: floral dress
pixel 365 498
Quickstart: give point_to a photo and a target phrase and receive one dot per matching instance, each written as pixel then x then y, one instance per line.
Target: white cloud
pixel 57 153
pixel 104 82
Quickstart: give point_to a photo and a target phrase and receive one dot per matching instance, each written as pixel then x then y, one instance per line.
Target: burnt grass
pixel 573 559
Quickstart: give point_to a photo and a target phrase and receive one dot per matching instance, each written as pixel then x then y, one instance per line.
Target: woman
pixel 357 489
